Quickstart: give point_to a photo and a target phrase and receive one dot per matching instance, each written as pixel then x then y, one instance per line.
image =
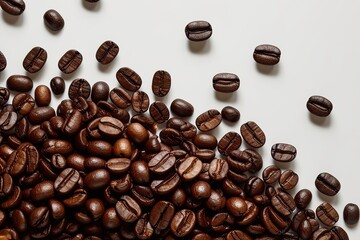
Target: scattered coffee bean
pixel 208 120
pixel 70 61
pixel 267 54
pixel 107 52
pixel 140 102
pixel 271 174
pixel 13 7
pixel 161 83
pixel 198 31
pixel 226 82
pixel 183 223
pixel 4 96
pixel 303 198
pixel 327 184
pixel 53 20
pixel 182 108
pixel 128 79
pixel 100 91
pixel 23 103
pixel 35 60
pixel 42 96
pixel 229 142
pixel 79 88
pixel 283 152
pixel 252 134
pixel 351 213
pixel 159 112
pixel 230 114
pixel 57 85
pixel 319 106
pixel 327 214
pixel 19 83
pixel 3 62
pixel 288 179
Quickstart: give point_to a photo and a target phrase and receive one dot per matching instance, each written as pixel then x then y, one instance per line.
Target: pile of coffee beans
pixel 97 166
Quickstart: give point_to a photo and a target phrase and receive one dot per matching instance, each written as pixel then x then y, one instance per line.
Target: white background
pixel 320 44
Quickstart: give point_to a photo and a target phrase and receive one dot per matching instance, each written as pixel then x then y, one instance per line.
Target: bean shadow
pixel 52 32
pixel 320 121
pixel 226 97
pixel 69 76
pixel 13 20
pixel 271 70
pixel 107 68
pixel 333 200
pixel 38 75
pixel 202 47
pixel 286 165
pixel 95 6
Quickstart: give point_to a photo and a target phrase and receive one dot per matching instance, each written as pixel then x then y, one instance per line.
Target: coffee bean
pixel 107 52
pixel 97 179
pixel 237 235
pixel 319 106
pixel 186 129
pixel 76 161
pixel 23 103
pixel 230 114
pixel 13 199
pixel 53 20
pixel 271 174
pixel 205 141
pixel 13 7
pixel 226 82
pixel 170 137
pixel 128 79
pixel 201 190
pixel 252 134
pixel 79 87
pixel 236 206
pixel 303 198
pixel 110 127
pixel 166 184
pixel 190 168
pixel 351 213
pixel 110 220
pixel 128 209
pixel 57 85
pixel 162 162
pixel 284 203
pixel 70 61
pixel 40 114
pixel 218 169
pixel 137 133
pixel 4 96
pixel 267 54
pixel 159 112
pixel 272 221
pixel 66 182
pixel 181 108
pixel 229 142
pixel 35 60
pixel 327 184
pixel 8 120
pixel 288 179
pixel 161 83
pixel 120 97
pixel 3 62
pixel 77 199
pixel 18 219
pixel 100 91
pixel 161 215
pixel 339 233
pixel 40 217
pixel 283 152
pixel 327 214
pixel 208 120
pixel 6 184
pixel 183 223
pixel 19 83
pixel 198 31
pixel 221 222
pixel 42 96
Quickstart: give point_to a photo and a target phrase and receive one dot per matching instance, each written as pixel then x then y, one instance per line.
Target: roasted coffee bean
pixel 97 179
pixel 161 215
pixel 140 102
pixel 351 213
pixel 221 222
pixel 271 174
pixel 57 85
pixel 41 114
pixel 53 20
pixel 152 145
pixel 35 60
pixel 191 167
pixel 327 184
pixel 252 134
pixel 170 137
pixel 19 83
pixel 165 185
pixel 42 96
pixel 267 54
pixel 339 233
pixel 79 88
pixel 182 108
pixel 230 114
pixel 76 161
pixel 23 103
pixel 18 219
pixel 146 121
pixel 216 201
pixel 128 209
pixel 110 220
pixel 137 133
pixel 122 148
pixel 95 207
pixel 100 91
pixel 255 160
pixel 205 155
pixel 198 31
pixel 208 120
pixel 231 188
pixel 319 106
pixel 273 222
pixel 118 165
pixel 183 223
pixel 161 83
pixel 283 152
pixel 327 214
pixel 322 233
pixel 4 96
pixel 107 52
pixel 159 112
pixel 77 199
pixel 288 179
pixel 8 120
pixel 110 127
pixel 143 228
pixel 13 199
pixel 40 217
pixel 186 129
pixel 72 124
pixel 121 185
pixel 218 169
pixel 162 162
pixel 3 61
pixel 236 206
pixel 303 198
pixel 16 163
pixel 201 190
pixel 67 181
pixel 57 209
pixel 43 191
pixel 128 79
pixel 284 203
pixel 237 235
pixel 226 82
pixel 70 61
pixel 13 7
pixel 229 142
pixel 143 195
pixel 6 184
pixel 120 98
pixel 254 186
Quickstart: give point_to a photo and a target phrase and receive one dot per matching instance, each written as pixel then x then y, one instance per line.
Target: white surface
pixel 319 41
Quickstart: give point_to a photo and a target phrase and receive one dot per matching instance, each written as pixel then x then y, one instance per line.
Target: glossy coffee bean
pixel 23 103
pixel 110 127
pixel 284 203
pixel 166 184
pixel 53 20
pixel 122 148
pixel 229 142
pixel 3 62
pixel 42 96
pixel 13 7
pixel 70 61
pixel 267 54
pixel 57 209
pixel 4 95
pixel 288 179
pixel 110 220
pixel 161 215
pixel 283 152
pixel 100 91
pixel 128 79
pixel 327 214
pixel 162 162
pixel 66 182
pixel 6 184
pixel 236 206
pixel 253 134
pixel 319 106
pixel 216 201
pixel 181 108
pixel 35 60
pixel 237 235
pixel 271 174
pixel 218 169
pixel 79 88
pixel 128 209
pixel 159 112
pixel 143 228
pixel 205 141
pixel 201 190
pixel 190 168
pixel 327 184
pixel 18 219
pixel 230 114
pixel 254 186
pixel 41 114
pixel 137 133
pixel 221 222
pixel 183 223
pixel 19 83
pixel 208 120
pixel 351 213
pixel 198 31
pixel 303 198
pixel 120 97
pixel 57 85
pixel 97 179
pixel 140 102
pixel 107 52
pixel 8 120
pixel 40 217
pixel 161 83
pixel 226 82
pixel 272 221
pixel 43 191
pixel 339 233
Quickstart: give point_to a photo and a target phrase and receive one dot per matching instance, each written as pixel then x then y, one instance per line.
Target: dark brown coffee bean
pixel 319 106
pixel 4 96
pixel 236 206
pixel 137 133
pixel 13 199
pixel 229 142
pixel 140 102
pixel 100 91
pixel 110 127
pixel 128 79
pixel 273 222
pixel 42 96
pixel 66 182
pixel 110 220
pixel 218 169
pixel 182 108
pixel 97 179
pixel 327 214
pixel 288 179
pixel 221 222
pixel 121 185
pixel 72 124
pixel 230 114
pixel 128 209
pixel 190 168
pixel 120 97
pixel 57 209
pixel 23 103
pixel 165 185
pixel 35 60
pixel 41 114
pixel 77 199
pixel 118 165
pixel 284 203
pixel 16 163
pixel 303 198
pixel 13 7
pixel 107 52
pixel 18 219
pixel 208 120
pixel 170 137
pixel 159 112
pixel 161 215
pixel 322 234
pixel 70 61
pixel 186 129
pixel 19 83
pixel 226 82
pixel 351 213
pixel 40 217
pixel 43 191
pixel 231 189
pixel 205 155
pixel 57 85
pixel 271 174
pixel 237 235
pixel 143 195
pixel 162 162
pixel 6 184
pixel 58 161
pixel 201 190
pixel 161 83
pixel 267 54
pixel 8 120
pixel 252 134
pixel 143 228
pixel 205 141
pixel 254 186
pixel 76 161
pixel 339 233
pixel 198 31
pixel 327 184
pixel 283 152
pixel 3 61
pixel 79 88
pixel 183 223
pixel 53 20
pixel 216 201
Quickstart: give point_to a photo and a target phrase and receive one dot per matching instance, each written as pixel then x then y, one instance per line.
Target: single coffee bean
pixel 110 220
pixel 128 209
pixel 351 213
pixel 76 161
pixel 6 184
pixel 43 191
pixel 140 102
pixel 40 114
pixel 267 54
pixel 8 120
pixel 110 127
pixel 53 20
pixel 19 83
pixel 327 184
pixel 3 62
pixel 120 97
pixel 79 88
pixel 152 145
pixel 198 31
pixel 236 206
pixel 140 172
pixel 272 221
pixel 327 214
pixel 13 7
pixel 229 142
pixel 166 184
pixel 237 235
pixel 162 162
pixel 18 219
pixel 208 120
pixel 338 233
pixel 97 179
pixel 77 199
pixel 128 79
pixel 118 165
pixel 40 217
pixel 303 198
pixel 161 215
pixel 122 148
pixel 226 82
pixel 107 52
pixel 254 186
pixel 159 112
pixel 252 134
pixel 161 83
pixel 191 167
pixel 42 96
pixel 201 190
pixel 288 179
pixel 57 85
pixel 143 195
pixel 221 222
pixel 23 103
pixel 218 169
pixel 319 106
pixel 183 223
pixel 66 182
pixel 137 133
pixel 4 96
pixel 181 108
pixel 230 114
pixel 283 152
pixel 35 60
pixel 13 199
pixel 205 141
pixel 271 174
pixel 70 61
pixel 100 91
pixel 284 203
